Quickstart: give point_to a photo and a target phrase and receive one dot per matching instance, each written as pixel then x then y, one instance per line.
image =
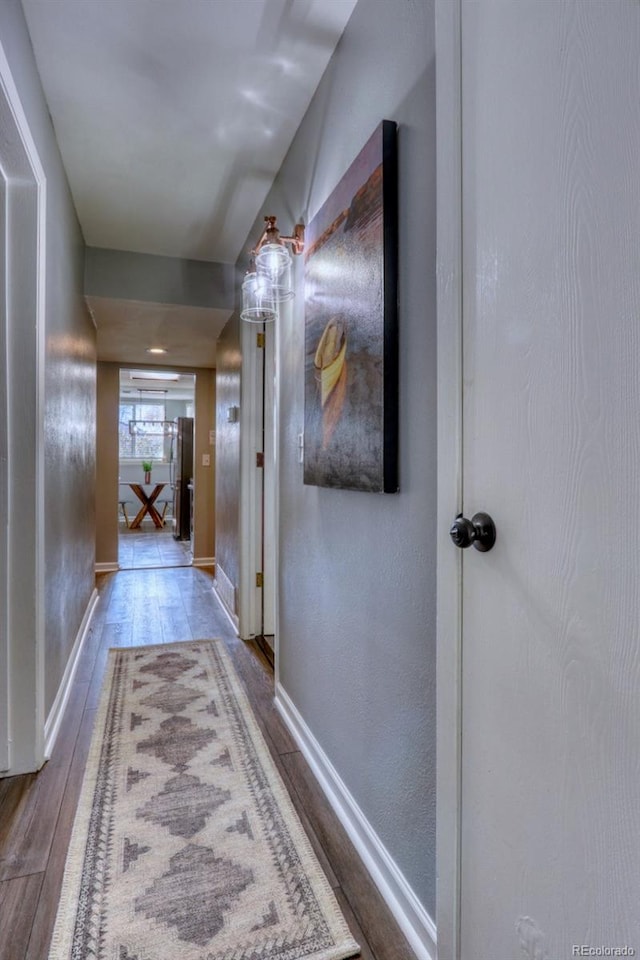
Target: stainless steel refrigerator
pixel 182 477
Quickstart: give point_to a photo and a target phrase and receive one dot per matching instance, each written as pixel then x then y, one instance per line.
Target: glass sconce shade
pixel 273 262
pixel 273 259
pixel 257 299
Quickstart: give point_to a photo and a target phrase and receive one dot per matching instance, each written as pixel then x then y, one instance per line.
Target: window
pixel 147 441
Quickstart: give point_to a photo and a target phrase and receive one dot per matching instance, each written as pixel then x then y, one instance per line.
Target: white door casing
pixel 542 694
pixel 251 430
pixel 5 761
pixel 258 499
pixel 269 527
pixel 22 438
pixel 449 560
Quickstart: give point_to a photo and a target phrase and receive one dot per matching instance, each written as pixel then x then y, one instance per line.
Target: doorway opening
pixel 155 468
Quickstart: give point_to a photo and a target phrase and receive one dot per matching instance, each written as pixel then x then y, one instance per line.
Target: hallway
pixel 137 607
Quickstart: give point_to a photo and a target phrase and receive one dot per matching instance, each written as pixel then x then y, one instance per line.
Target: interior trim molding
pixel 107 567
pixel 203 562
pixel 52 723
pixel 27 596
pixel 411 916
pixel 249 596
pixel 226 593
pixel 449 271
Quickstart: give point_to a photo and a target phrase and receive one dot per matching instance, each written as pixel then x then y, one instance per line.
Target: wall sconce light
pixel 273 259
pixel 271 283
pixel 257 298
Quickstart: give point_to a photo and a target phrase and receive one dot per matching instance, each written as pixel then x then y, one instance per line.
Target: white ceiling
pixel 127 328
pixel 173 116
pixel 136 385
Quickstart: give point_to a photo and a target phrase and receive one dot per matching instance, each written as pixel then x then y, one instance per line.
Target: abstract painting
pixel 351 339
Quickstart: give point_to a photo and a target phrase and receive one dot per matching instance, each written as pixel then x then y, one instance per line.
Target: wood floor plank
pixel 37 812
pixel 18 905
pixel 15 793
pixel 383 934
pixel 45 914
pixel 93 641
pixel 203 625
pixel 97 677
pixel 318 849
pixel 118 634
pixel 119 610
pixel 147 627
pixel 29 834
pixel 175 623
pixel 104 586
pixel 258 681
pixel 88 654
pixel 356 929
pixel 149 547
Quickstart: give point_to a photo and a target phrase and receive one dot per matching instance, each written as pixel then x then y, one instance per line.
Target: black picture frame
pixel 351 326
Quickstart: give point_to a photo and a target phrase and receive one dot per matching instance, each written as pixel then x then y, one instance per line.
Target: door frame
pixel 259 404
pixel 110 469
pixel 450 491
pixel 251 443
pixel 23 537
pixel 5 760
pixel 270 487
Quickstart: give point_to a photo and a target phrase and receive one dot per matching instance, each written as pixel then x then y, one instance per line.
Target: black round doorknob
pixel 479 531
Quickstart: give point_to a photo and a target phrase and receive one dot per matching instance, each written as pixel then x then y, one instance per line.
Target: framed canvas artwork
pixel 351 336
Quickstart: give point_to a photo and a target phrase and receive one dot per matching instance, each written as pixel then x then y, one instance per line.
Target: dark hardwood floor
pixel 36 811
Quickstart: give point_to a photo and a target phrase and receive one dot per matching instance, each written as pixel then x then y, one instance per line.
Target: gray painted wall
pixel 124 275
pixel 358 571
pixel 69 378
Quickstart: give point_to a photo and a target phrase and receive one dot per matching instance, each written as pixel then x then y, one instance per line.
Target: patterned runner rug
pixel 186 845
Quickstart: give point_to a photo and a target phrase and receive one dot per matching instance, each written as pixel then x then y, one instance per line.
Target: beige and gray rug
pixel 186 845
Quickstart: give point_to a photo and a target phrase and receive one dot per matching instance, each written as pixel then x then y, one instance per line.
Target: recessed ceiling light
pixel 156 350
pixel 153 375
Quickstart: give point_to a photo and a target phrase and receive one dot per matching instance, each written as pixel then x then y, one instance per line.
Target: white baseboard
pixel 52 724
pixel 107 567
pixel 203 562
pixel 226 593
pixel 411 916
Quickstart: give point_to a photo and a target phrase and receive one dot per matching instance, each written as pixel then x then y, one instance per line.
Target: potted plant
pixel 147 466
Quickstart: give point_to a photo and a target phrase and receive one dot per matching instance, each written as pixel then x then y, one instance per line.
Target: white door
pixel 4 491
pixel 269 487
pixel 550 770
pixel 258 483
pixel 251 505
